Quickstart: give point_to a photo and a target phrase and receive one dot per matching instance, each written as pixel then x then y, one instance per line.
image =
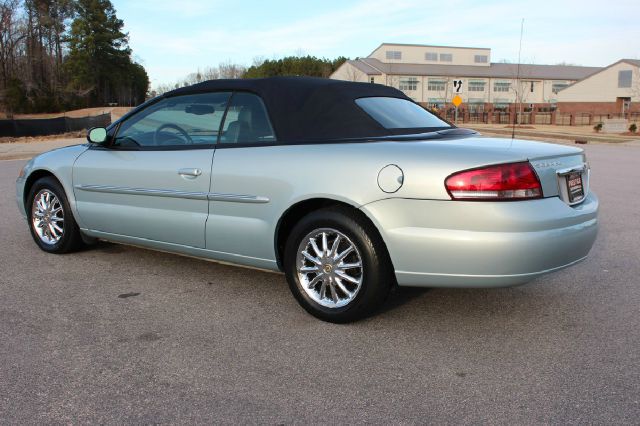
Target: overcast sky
pixel 173 38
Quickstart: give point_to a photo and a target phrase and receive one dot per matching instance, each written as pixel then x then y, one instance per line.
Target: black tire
pixel 71 239
pixel 376 275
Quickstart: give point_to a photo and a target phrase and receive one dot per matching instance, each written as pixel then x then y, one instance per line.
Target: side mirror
pixel 97 135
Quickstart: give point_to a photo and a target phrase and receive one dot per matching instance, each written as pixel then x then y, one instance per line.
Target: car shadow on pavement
pixel 537 300
pixel 107 247
pixel 400 296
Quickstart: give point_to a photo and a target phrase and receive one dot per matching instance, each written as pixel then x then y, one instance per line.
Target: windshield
pixel 396 113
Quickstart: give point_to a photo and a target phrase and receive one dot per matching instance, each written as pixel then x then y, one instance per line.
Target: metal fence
pixel 51 126
pixel 540 118
pixel 563 119
pixel 501 117
pixel 583 119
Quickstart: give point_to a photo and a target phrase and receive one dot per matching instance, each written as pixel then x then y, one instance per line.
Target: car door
pixel 152 180
pixel 245 192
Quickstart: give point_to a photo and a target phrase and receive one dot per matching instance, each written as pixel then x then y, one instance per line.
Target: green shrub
pixel 633 128
pixel 597 127
pixel 16 96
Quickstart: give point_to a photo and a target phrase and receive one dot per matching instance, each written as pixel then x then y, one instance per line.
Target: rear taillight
pixel 515 181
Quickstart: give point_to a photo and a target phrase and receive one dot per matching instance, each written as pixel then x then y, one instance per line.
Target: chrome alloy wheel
pixel 47 217
pixel 329 267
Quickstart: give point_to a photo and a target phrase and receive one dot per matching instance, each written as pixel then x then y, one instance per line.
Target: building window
pixel 431 56
pixel 557 86
pixel 408 83
pixel 481 59
pixel 437 103
pixel 436 85
pixel 394 54
pixel 446 57
pixel 476 85
pixel 501 104
pixel 475 105
pixel 501 86
pixel 624 78
pixel 372 80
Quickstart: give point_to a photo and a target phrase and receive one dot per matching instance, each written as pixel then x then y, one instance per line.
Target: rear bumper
pixel 483 244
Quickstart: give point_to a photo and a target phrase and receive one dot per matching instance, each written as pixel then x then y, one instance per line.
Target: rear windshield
pixel 395 113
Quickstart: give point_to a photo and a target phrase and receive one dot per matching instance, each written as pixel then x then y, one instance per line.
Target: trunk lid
pixel 551 162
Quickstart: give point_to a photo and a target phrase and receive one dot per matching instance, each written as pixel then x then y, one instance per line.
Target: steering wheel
pixel 179 129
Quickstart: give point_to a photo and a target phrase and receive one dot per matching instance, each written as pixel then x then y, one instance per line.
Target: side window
pixel 188 120
pixel 247 121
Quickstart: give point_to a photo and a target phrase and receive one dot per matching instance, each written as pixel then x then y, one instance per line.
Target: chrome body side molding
pixel 237 198
pixel 211 196
pixel 143 191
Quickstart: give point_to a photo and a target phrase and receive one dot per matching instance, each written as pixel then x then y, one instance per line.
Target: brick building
pixel 611 90
pixel 431 75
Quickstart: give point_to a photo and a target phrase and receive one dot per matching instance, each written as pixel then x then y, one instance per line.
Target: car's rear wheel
pixel 51 222
pixel 337 266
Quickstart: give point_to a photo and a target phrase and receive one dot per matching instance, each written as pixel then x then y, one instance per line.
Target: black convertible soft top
pixel 306 108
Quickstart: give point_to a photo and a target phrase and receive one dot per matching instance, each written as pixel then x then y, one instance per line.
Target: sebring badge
pixel 549 164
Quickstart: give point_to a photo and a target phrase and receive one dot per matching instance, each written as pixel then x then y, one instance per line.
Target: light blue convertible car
pixel 348 188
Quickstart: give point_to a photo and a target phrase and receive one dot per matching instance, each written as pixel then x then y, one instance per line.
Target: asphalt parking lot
pixel 120 334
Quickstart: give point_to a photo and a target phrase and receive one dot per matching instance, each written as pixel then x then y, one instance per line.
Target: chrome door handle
pixel 190 172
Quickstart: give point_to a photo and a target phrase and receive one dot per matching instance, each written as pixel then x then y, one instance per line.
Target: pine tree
pixel 47 65
pixel 99 60
pixel 45 28
pixel 294 65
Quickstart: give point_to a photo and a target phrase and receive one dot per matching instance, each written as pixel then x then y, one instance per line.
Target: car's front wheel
pixel 337 266
pixel 51 222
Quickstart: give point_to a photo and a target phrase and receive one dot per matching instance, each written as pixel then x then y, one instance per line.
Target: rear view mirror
pixel 199 109
pixel 97 135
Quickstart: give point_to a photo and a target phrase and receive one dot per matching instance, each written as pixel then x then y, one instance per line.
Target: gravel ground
pixel 118 334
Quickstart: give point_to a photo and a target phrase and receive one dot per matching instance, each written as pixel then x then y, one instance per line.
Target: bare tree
pixel 32 51
pixel 210 73
pixel 164 88
pixel 521 88
pixel 257 61
pixel 224 70
pixel 11 35
pixel 12 42
pixel 230 70
pixel 193 78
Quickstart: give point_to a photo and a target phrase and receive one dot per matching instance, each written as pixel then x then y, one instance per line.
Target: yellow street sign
pixel 457 100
